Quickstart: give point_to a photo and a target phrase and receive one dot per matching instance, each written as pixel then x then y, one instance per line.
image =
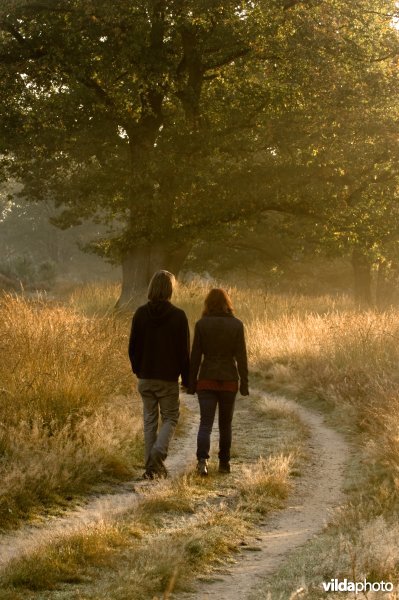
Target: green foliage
pixel 161 119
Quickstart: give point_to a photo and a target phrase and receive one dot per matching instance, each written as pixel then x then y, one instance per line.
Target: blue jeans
pixel 208 401
pixel 158 397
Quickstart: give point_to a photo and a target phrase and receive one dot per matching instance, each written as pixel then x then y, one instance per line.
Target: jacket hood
pixel 160 311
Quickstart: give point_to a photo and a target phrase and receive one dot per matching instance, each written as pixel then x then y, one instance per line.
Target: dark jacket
pixel 159 344
pixel 220 340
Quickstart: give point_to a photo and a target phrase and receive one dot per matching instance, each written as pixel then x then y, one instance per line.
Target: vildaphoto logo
pixel 334 585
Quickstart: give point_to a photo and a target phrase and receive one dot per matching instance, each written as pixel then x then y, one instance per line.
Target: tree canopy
pixel 164 118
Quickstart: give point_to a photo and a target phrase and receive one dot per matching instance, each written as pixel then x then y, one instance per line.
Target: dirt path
pixel 101 508
pixel 317 493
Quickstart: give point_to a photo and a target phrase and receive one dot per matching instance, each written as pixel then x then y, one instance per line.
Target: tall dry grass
pixel 65 420
pixel 320 347
pixel 92 299
pixel 347 360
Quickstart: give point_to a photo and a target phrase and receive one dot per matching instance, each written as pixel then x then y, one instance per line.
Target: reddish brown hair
pixel 217 301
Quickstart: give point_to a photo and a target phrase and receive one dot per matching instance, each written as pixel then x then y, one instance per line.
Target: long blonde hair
pixel 161 286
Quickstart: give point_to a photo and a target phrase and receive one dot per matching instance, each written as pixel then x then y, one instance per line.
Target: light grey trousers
pixel 158 397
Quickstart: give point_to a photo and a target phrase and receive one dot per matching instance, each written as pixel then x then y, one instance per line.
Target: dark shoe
pixel 224 466
pixel 162 473
pixel 202 467
pixel 152 475
pixel 157 465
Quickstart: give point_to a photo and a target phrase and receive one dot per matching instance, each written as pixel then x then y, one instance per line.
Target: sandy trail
pixel 101 508
pixel 317 493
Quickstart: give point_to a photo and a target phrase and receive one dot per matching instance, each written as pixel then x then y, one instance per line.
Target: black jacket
pixel 159 344
pixel 220 340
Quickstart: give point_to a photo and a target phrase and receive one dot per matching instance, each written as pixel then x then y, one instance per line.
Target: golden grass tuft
pixel 264 485
pixel 64 420
pixel 56 362
pixel 175 496
pixel 67 560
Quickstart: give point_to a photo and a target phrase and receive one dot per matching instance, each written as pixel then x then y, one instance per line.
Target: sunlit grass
pixel 151 555
pixel 180 529
pixel 93 299
pixel 65 420
pixel 266 484
pixel 320 348
pixel 158 547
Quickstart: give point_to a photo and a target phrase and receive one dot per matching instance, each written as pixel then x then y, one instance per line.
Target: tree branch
pixel 34 53
pixel 100 91
pixel 227 59
pixel 291 3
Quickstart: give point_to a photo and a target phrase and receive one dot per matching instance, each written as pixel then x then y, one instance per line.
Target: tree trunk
pixel 134 275
pixel 387 285
pixel 139 265
pixel 362 278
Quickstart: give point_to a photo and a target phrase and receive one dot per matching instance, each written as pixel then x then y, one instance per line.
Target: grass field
pixel 322 351
pixel 68 417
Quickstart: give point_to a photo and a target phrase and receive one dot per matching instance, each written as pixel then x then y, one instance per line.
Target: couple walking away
pixel 159 352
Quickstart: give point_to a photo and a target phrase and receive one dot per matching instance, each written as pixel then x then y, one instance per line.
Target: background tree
pixel 161 118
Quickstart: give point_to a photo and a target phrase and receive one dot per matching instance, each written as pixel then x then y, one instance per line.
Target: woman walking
pixel 219 342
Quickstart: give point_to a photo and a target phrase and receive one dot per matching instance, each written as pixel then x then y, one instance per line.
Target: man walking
pixel 159 353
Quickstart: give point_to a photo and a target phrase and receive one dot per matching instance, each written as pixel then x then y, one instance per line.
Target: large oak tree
pixel 161 118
